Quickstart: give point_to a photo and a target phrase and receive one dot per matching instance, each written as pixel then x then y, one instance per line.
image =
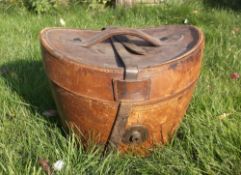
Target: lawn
pixel 209 138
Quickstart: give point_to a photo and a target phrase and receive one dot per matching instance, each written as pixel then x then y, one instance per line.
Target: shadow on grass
pixel 224 4
pixel 27 78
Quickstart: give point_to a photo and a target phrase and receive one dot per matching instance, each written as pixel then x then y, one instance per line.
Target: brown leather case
pixel 129 88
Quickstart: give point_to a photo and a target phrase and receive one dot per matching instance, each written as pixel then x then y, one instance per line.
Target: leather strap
pixel 126 91
pixel 128 60
pixel 110 32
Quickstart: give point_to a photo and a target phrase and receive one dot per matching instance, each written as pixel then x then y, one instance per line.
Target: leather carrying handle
pixel 111 32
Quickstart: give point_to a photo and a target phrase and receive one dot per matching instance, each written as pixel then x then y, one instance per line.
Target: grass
pixel 209 139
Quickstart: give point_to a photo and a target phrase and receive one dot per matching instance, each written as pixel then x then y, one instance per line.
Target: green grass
pixel 206 143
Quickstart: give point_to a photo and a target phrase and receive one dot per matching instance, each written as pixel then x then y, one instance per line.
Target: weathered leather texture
pixel 89 98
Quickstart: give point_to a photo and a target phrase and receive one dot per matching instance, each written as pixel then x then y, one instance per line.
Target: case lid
pixel 115 47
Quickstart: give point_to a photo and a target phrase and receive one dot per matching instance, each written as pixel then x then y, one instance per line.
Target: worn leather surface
pixel 67 43
pixel 89 94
